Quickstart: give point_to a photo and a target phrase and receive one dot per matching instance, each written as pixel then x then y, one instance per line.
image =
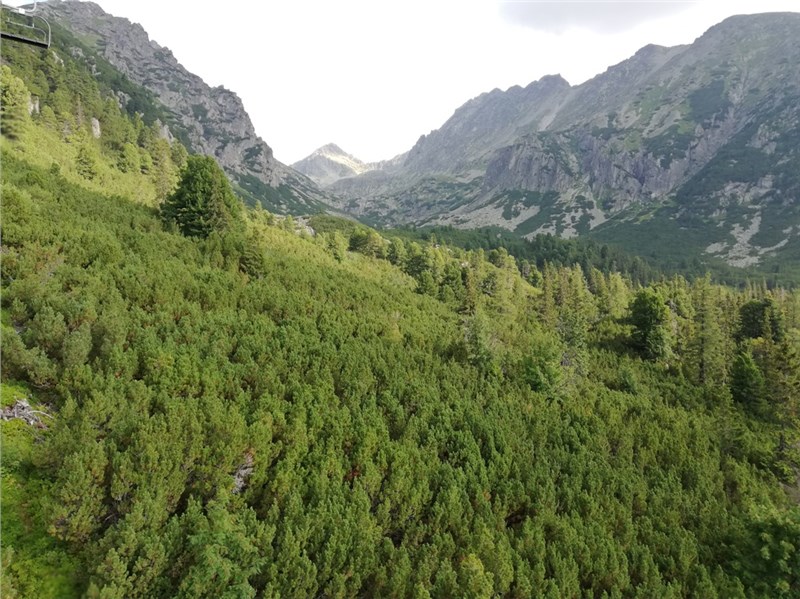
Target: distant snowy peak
pixel 330 163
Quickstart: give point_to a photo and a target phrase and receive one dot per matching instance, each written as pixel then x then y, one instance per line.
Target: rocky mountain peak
pixel 329 163
pixel 646 52
pixel 330 149
pixel 486 123
pixel 549 82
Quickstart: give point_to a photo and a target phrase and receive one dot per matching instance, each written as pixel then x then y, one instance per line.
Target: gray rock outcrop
pixel 214 119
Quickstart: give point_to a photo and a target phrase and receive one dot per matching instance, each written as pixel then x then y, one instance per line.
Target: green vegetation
pixel 654 239
pixel 203 202
pixel 541 250
pixel 61 136
pixel 709 102
pixel 73 68
pixel 737 161
pixel 649 100
pixel 650 319
pixel 236 409
pixel 671 144
pixel 511 200
pixel 398 399
pixel 255 192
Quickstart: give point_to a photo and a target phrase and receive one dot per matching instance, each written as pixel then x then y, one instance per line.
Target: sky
pixel 374 75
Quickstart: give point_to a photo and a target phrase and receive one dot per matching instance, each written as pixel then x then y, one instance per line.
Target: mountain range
pixel 691 149
pixel 690 152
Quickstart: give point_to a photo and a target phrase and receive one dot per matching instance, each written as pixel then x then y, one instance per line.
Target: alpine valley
pixel 684 152
pixel 690 153
pixel 215 385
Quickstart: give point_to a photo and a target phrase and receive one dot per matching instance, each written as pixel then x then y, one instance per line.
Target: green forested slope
pixel 649 266
pixel 258 412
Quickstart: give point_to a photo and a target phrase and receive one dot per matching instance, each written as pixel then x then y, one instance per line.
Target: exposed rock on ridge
pixel 488 122
pixel 702 137
pixel 214 119
pixel 328 164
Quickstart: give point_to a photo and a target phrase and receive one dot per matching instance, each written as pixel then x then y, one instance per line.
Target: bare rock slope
pixel 213 119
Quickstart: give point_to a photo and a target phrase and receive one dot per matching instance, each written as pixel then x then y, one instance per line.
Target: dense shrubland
pixel 256 411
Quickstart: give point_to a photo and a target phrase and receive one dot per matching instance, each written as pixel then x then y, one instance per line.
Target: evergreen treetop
pixel 203 201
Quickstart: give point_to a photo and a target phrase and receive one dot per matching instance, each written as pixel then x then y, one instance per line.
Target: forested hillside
pixel 205 400
pixel 589 254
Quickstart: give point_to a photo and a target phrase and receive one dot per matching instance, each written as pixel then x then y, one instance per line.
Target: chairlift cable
pixel 21 25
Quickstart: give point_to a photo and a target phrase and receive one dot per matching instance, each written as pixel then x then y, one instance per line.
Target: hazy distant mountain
pixel 328 164
pixel 692 148
pixel 210 120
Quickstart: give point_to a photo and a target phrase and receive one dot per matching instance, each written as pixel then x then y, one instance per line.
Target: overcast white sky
pixel 373 75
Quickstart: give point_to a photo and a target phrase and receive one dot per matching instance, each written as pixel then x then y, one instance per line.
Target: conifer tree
pixel 707 348
pixel 397 252
pixel 86 161
pixel 13 104
pixel 747 381
pixel 203 201
pixel 650 319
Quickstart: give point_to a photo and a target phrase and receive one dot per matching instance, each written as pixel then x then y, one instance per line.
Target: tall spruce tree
pixel 203 201
pixel 650 318
pixel 707 350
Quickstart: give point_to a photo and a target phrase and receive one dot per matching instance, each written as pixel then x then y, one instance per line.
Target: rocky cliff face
pixel 485 123
pixel 214 119
pixel 704 137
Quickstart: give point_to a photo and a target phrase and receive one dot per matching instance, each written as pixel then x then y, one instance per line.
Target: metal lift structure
pixel 24 26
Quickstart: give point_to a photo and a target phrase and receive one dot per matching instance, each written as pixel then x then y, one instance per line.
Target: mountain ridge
pixel 657 141
pixel 214 118
pixel 631 143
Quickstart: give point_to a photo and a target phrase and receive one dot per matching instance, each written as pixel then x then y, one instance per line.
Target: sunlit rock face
pixel 213 119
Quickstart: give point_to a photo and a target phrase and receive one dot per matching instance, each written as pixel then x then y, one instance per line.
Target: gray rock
pixel 214 119
pixel 667 126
